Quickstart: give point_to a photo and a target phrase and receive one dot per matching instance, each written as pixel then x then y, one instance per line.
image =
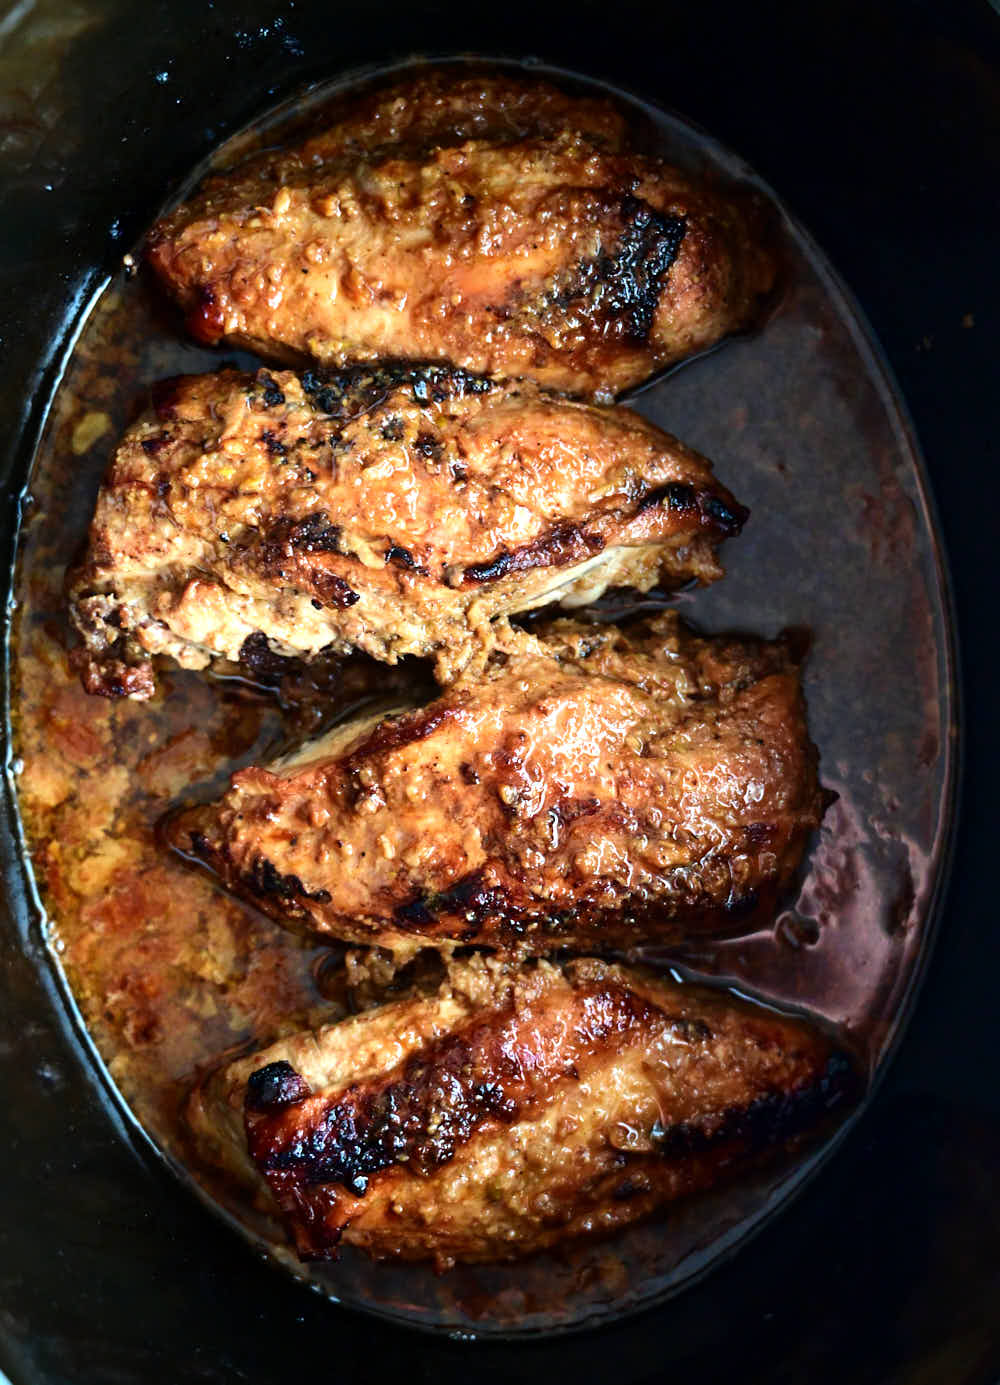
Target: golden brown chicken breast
pixel 590 788
pixel 514 1110
pixel 396 510
pixel 490 222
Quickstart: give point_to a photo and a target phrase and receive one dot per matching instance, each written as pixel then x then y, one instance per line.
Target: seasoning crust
pixel 592 787
pixel 490 221
pixel 396 510
pixel 516 1109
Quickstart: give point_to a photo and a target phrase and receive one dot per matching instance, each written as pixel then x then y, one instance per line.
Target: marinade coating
pixel 592 787
pixel 491 222
pixel 396 510
pixel 515 1110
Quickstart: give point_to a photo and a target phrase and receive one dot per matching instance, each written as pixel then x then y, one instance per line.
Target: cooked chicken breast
pixel 514 1110
pixel 395 510
pixel 590 788
pixel 489 222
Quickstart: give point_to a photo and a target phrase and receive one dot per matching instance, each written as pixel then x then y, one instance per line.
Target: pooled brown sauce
pixel 170 973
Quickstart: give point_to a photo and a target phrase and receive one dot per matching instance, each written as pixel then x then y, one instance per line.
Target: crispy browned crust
pixel 487 221
pixel 592 788
pixel 517 1111
pixel 393 509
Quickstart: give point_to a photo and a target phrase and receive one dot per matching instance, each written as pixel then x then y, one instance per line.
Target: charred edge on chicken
pixel 349 393
pixel 444 1093
pixel 421 1116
